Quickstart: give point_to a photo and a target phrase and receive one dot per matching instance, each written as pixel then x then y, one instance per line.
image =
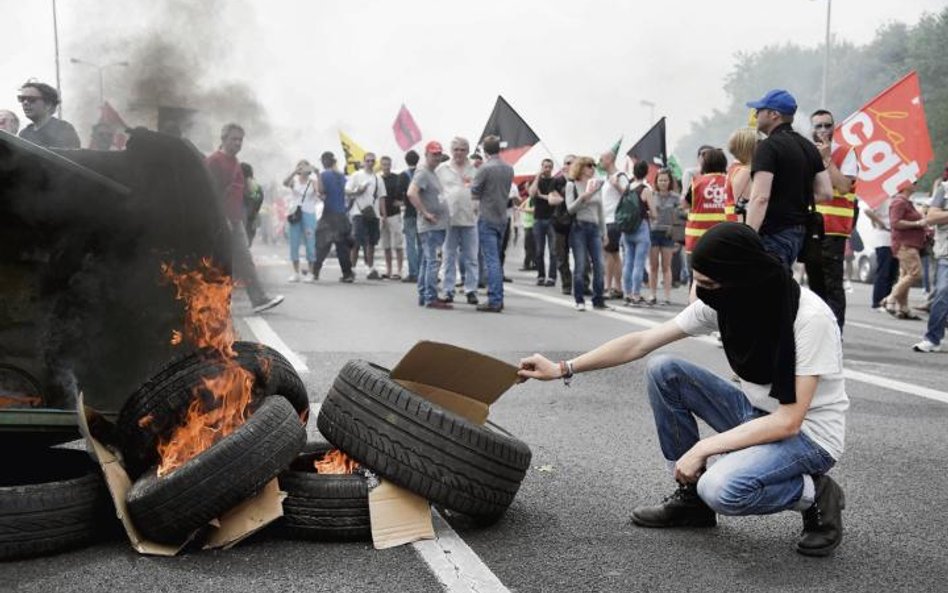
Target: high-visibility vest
pixel 708 197
pixel 838 213
pixel 730 200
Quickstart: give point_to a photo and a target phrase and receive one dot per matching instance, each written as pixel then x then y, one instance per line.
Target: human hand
pixel 690 466
pixel 538 367
pixel 430 217
pixel 824 147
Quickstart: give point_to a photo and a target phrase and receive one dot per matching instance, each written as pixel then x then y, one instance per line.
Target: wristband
pixel 566 371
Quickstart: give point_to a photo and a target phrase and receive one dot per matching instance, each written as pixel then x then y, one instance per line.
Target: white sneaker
pixel 309 279
pixel 580 307
pixel 294 277
pixel 926 346
pixel 847 286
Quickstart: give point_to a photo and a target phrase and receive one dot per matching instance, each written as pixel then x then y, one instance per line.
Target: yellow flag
pixel 354 154
pixel 752 119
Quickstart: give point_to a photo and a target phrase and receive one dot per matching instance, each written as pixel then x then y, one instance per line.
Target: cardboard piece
pixel 459 380
pixel 237 524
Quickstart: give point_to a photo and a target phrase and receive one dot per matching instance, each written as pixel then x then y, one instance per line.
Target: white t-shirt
pixel 611 195
pixel 819 352
pixel 456 191
pixel 374 190
pixel 304 194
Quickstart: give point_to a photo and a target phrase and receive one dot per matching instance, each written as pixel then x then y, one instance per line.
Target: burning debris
pixel 336 462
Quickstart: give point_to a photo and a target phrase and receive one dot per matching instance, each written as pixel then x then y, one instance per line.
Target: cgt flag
pixel 651 149
pixel 890 138
pixel 354 153
pixel 406 130
pixel 516 137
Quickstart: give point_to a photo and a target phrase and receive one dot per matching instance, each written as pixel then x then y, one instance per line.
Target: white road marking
pixel 884 330
pixel 893 384
pixel 264 333
pixel 454 563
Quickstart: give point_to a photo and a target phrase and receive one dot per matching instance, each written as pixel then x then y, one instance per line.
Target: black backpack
pixel 629 210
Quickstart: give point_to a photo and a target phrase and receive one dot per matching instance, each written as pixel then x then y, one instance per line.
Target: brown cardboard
pixel 237 524
pixel 459 380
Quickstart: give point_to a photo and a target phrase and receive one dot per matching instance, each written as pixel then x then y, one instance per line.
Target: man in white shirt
pixel 363 189
pixel 456 176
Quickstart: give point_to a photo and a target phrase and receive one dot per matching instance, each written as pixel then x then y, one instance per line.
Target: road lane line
pixel 454 563
pixel 893 384
pixel 264 333
pixel 885 330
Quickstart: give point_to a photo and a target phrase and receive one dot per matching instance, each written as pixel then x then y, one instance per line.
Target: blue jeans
pixel 758 480
pixel 636 245
pixel 431 241
pixel 585 239
pixel 304 232
pixel 785 243
pixel 490 236
pixel 543 238
pixel 939 311
pixel 412 244
pixel 463 238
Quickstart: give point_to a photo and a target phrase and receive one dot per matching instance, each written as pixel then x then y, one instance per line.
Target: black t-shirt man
pixel 794 161
pixel 55 133
pixel 394 194
pixel 542 210
pixel 404 180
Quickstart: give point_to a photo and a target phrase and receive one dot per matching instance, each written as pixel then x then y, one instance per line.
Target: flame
pixel 145 421
pixel 336 462
pixel 221 404
pixel 20 401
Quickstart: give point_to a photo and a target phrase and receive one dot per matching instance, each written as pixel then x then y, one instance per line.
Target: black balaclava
pixel 756 305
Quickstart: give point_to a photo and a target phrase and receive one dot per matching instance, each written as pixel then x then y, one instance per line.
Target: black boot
pixel 684 508
pixel 823 522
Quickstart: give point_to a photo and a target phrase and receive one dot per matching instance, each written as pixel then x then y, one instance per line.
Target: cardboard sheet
pixel 398 516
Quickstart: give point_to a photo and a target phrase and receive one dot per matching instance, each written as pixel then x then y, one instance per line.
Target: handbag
pixel 562 219
pixel 812 251
pixel 368 213
pixel 297 214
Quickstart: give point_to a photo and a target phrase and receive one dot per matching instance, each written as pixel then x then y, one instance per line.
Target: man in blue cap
pixel 788 173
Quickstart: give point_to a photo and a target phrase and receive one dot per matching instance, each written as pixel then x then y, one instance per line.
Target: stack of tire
pixel 169 508
pixel 409 441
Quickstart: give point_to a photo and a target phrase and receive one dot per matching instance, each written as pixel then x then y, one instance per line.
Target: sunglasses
pixel 822 126
pixel 29 100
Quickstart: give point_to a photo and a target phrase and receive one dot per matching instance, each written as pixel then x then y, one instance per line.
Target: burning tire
pixel 420 446
pixel 158 406
pixel 324 507
pixel 168 509
pixel 55 501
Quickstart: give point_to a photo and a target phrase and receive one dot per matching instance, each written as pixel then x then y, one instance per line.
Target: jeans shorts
pixel 615 237
pixel 662 239
pixel 365 232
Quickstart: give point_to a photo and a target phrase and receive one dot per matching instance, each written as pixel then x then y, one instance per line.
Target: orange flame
pixel 145 421
pixel 336 462
pixel 206 292
pixel 20 401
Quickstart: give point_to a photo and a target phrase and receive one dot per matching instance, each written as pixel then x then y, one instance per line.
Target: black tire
pixel 323 507
pixel 166 396
pixel 168 509
pixel 420 446
pixel 49 502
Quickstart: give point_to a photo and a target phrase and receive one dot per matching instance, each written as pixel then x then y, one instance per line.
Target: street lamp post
pixel 100 69
pixel 826 56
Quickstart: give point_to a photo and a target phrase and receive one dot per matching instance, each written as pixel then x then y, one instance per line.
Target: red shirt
pixel 225 169
pixel 902 209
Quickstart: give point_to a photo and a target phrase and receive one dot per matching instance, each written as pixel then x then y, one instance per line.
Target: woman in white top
pixel 302 228
pixel 781 430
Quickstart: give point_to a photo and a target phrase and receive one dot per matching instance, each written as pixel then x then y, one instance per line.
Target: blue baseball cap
pixel 779 100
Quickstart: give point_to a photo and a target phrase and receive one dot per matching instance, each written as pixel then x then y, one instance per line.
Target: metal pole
pixel 59 86
pixel 826 56
pixel 101 87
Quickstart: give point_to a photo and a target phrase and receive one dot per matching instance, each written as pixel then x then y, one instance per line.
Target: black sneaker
pixel 348 279
pixel 472 298
pixel 684 508
pixel 448 298
pixel 823 522
pixel 550 282
pixel 541 281
pixel 373 275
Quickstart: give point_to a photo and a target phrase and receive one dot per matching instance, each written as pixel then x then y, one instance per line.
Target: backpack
pixel 629 210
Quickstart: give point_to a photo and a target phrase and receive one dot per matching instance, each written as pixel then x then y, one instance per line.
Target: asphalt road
pixel 595 456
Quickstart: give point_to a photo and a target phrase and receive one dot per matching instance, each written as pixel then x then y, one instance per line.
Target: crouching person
pixel 779 433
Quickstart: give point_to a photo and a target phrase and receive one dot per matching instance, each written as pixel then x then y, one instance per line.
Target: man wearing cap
pixel 788 173
pixel 492 189
pixel 424 193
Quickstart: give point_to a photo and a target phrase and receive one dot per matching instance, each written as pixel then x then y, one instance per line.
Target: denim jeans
pixel 939 311
pixel 304 232
pixel 543 238
pixel 428 267
pixel 887 270
pixel 412 244
pixel 463 238
pixel 757 480
pixel 785 243
pixel 586 242
pixel 490 236
pixel 637 245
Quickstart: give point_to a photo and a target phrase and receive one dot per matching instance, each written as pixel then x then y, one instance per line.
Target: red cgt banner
pixel 890 137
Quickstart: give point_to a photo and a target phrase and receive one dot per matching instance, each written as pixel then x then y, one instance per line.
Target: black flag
pixel 651 147
pixel 516 137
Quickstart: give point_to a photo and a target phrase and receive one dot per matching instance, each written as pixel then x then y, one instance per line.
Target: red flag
pixel 406 130
pixel 109 119
pixel 890 137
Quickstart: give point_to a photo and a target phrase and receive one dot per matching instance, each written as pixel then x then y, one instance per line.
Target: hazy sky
pixel 576 71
